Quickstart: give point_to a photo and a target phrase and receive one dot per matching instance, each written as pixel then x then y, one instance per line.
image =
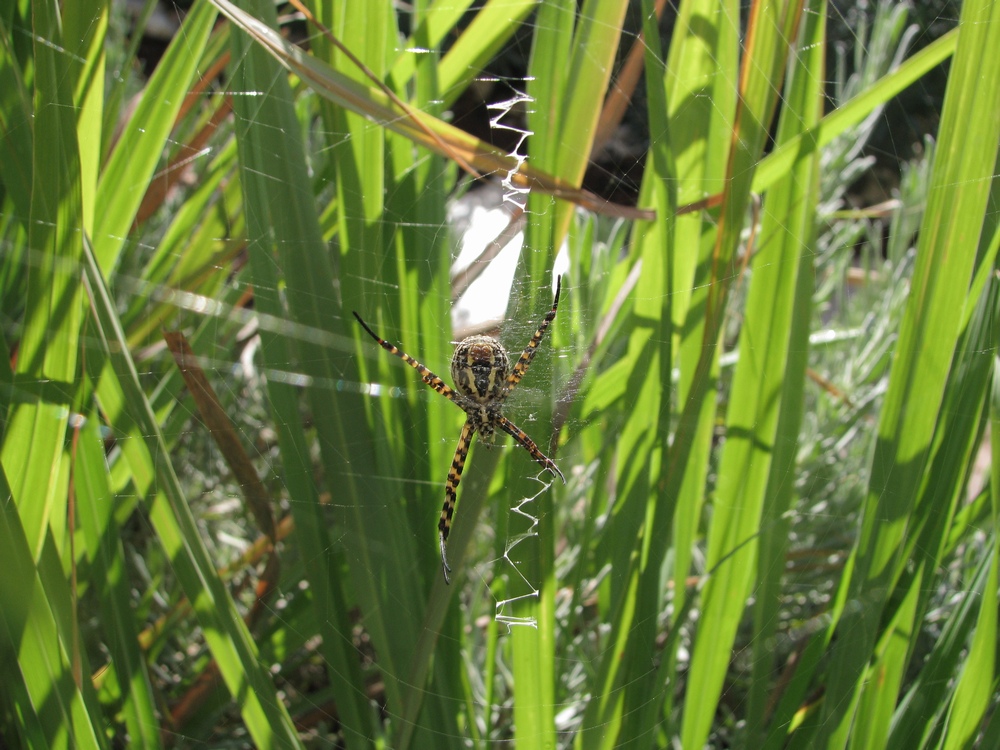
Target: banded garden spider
pixel 483 379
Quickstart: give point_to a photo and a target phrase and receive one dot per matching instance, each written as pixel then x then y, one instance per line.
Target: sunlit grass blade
pixel 702 104
pixel 595 46
pixel 942 495
pixel 563 119
pixel 432 26
pixel 664 284
pixel 853 112
pixel 932 691
pixel 36 658
pixel 85 26
pixel 979 678
pixel 33 450
pixel 109 583
pixel 946 253
pixel 140 146
pixel 936 517
pixel 193 255
pixel 759 387
pixel 643 512
pixel 768 386
pixel 771 28
pixel 493 25
pixel 424 130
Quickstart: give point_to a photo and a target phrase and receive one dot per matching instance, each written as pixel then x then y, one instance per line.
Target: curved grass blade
pixel 374 104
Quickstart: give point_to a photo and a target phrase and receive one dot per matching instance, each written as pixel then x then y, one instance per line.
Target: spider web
pixel 524 510
pixel 494 226
pixel 231 354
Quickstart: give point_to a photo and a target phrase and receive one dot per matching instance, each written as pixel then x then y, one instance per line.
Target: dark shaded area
pixel 909 117
pixel 615 172
pixel 163 24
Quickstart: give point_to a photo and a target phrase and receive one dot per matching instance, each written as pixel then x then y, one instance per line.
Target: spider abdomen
pixel 480 368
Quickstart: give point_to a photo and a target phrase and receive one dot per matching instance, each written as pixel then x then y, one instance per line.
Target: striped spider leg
pixel 529 445
pixel 426 375
pixel 524 361
pixel 480 369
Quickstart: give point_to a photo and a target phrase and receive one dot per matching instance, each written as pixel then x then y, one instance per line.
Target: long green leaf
pixel 109 579
pixel 287 251
pixel 979 676
pixel 644 510
pixel 265 715
pixel 141 145
pixel 32 453
pixel 702 109
pixel 947 250
pixel 942 494
pixel 758 383
pixel 563 124
pixel 767 394
pixel 38 678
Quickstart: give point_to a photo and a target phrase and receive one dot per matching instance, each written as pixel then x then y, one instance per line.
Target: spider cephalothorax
pixel 483 379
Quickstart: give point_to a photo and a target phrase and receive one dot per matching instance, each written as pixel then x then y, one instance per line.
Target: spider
pixel 480 369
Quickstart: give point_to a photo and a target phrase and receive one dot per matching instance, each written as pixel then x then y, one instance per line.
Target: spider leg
pixel 426 375
pixel 529 445
pixel 451 494
pixel 524 361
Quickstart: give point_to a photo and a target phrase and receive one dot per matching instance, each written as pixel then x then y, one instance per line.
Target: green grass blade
pixel 563 122
pixel 638 592
pixel 853 112
pixel 86 24
pixel 225 632
pixel 595 44
pixel 955 446
pixel 664 285
pixel 731 542
pixel 15 114
pixel 916 722
pixel 144 139
pixel 774 347
pixel 960 717
pixel 492 27
pixel 702 108
pixel 477 43
pixel 946 253
pixel 108 578
pixel 978 678
pixel 33 451
pixel 287 252
pixel 40 686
